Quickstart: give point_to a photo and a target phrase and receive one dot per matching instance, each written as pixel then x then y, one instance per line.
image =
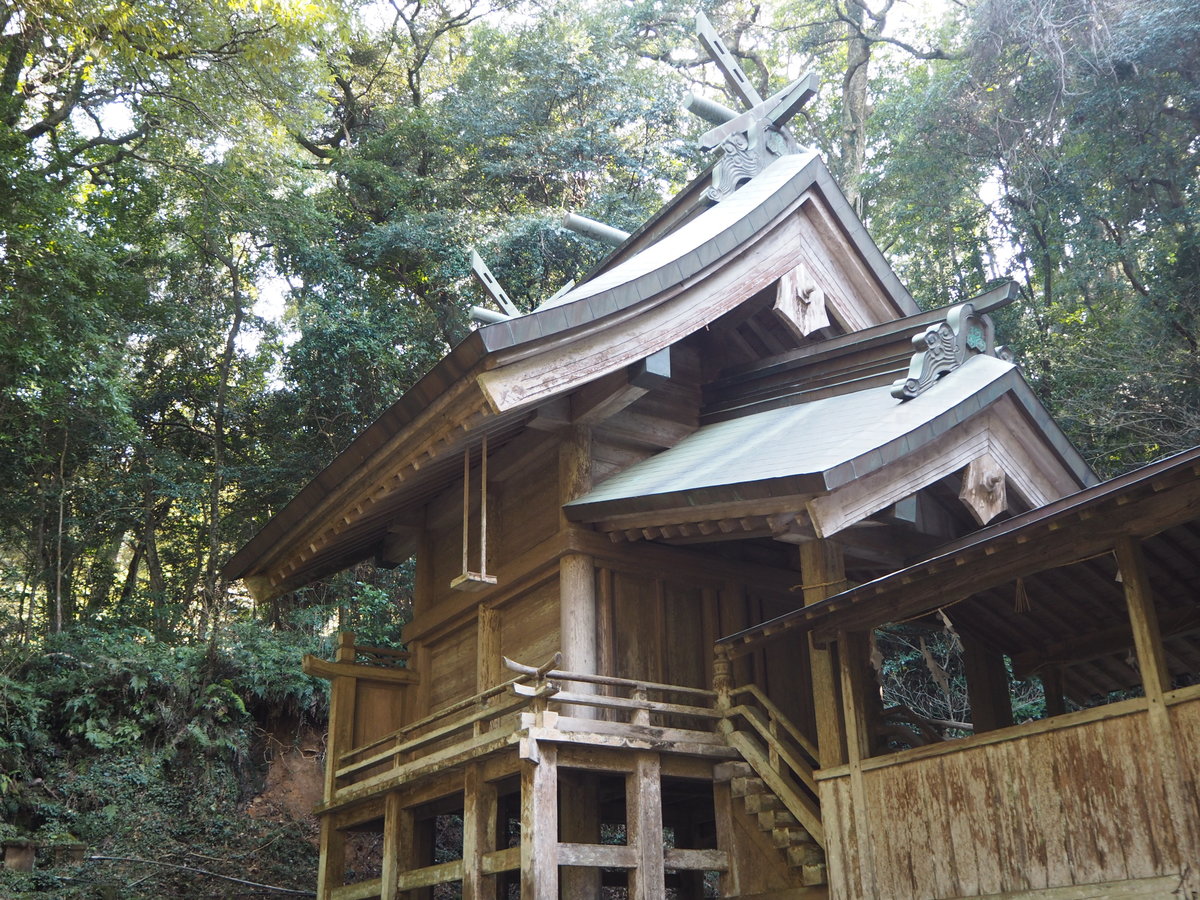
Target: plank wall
pixel 1081 804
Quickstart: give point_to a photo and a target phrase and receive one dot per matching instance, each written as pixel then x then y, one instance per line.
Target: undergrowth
pixel 146 750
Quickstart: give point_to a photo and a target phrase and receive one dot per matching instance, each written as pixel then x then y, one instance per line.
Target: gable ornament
pixel 943 347
pixel 752 140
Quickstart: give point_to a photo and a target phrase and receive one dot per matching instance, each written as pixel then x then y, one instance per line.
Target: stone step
pixel 727 771
pixel 811 876
pixel 802 855
pixel 789 835
pixel 776 818
pixel 745 786
pixel 764 802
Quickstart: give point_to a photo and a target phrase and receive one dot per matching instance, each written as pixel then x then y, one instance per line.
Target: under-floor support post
pixel 644 828
pixel 539 825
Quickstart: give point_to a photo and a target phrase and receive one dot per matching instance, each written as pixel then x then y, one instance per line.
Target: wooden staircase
pixel 801 851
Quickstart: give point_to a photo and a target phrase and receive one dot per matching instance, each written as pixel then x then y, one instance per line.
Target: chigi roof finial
pixel 751 140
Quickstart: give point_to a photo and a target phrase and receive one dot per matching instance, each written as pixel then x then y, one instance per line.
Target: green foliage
pixel 144 748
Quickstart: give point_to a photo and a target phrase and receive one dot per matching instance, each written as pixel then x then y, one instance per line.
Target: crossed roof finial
pixel 751 140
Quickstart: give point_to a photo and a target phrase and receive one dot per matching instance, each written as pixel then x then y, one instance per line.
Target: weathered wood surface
pixel 1077 805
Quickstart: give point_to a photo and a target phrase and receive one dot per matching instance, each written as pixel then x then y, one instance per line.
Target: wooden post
pixel 1052 688
pixel 539 826
pixel 479 834
pixel 824 572
pixel 729 880
pixel 643 828
pixel 579 822
pixel 852 655
pixel 987 686
pixel 390 870
pixel 424 589
pixel 853 663
pixel 490 667
pixel 577 572
pixel 1156 680
pixel 415 841
pixel 577 593
pixel 419 660
pixel 732 619
pixel 331 869
pixel 342 696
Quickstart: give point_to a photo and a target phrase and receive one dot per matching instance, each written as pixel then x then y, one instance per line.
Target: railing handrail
pixel 545 680
pixel 459 706
pixel 611 680
pixel 777 714
pixel 769 760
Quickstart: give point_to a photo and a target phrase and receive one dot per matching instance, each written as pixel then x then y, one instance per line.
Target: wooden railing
pixel 483 720
pixel 743 718
pixel 780 754
pixel 638 708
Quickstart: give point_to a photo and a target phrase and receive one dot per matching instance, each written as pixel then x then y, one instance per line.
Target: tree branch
pixel 155 862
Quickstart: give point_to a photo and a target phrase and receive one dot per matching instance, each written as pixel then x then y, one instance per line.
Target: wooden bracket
pixel 468 580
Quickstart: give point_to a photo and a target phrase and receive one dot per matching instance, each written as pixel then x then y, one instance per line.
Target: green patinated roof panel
pixel 836 438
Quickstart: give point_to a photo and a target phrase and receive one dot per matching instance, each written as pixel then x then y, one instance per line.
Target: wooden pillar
pixel 390 870
pixel 577 593
pixel 987 686
pixel 419 660
pixel 489 670
pixel 539 825
pixel 854 661
pixel 723 801
pixel 1156 681
pixel 823 570
pixel 732 618
pixel 1052 689
pixel 1147 639
pixel 576 571
pixel 853 656
pixel 415 840
pixel 644 829
pixel 331 870
pixel 424 589
pixel 479 834
pixel 579 822
pixel 342 696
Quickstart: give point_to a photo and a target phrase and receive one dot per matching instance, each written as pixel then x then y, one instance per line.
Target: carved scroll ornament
pixel 745 154
pixel 943 347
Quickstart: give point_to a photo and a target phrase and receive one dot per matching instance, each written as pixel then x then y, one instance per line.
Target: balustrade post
pixel 722 677
pixel 640 716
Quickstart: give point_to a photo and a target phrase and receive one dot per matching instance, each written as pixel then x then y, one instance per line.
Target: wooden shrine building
pixel 629 509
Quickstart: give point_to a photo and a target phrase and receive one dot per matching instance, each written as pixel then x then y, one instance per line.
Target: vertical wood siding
pixel 1078 805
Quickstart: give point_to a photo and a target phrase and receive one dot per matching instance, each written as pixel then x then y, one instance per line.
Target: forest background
pixel 233 231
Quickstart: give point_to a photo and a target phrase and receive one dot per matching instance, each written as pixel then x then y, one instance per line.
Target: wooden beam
pixel 1143 618
pixel 332 671
pixel 608 395
pixel 854 660
pixel 1105 642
